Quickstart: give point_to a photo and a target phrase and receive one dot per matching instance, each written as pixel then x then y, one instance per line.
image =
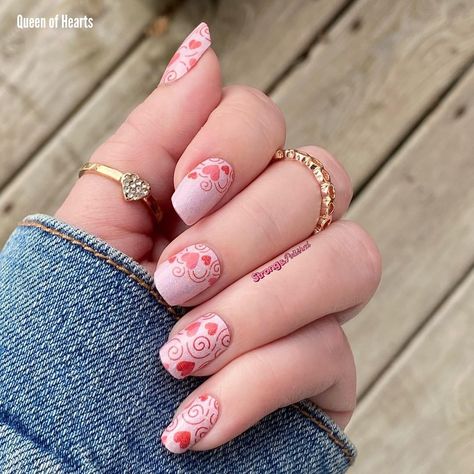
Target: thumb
pixel 148 143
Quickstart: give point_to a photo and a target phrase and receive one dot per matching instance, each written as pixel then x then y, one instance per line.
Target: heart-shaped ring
pixel 134 188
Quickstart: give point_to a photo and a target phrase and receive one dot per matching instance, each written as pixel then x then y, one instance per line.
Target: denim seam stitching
pixel 331 435
pixel 106 258
pixel 21 431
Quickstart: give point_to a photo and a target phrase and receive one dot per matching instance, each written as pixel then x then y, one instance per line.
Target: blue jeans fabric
pixel 81 386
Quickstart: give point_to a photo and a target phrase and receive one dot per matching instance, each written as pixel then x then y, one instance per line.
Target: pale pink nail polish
pixel 195 346
pixel 188 54
pixel 191 425
pixel 187 274
pixel 202 188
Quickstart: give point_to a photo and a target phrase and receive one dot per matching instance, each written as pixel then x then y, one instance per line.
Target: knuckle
pixel 248 95
pixel 335 339
pixel 136 121
pixel 367 250
pixel 343 181
pixel 262 218
pixel 262 107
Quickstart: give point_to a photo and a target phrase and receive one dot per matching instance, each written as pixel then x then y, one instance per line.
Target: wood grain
pixel 45 180
pixel 46 73
pixel 374 75
pixel 419 418
pixel 419 211
pixel 258 41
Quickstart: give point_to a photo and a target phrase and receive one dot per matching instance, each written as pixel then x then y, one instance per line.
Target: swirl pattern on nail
pixel 191 425
pixel 202 188
pixel 188 54
pixel 195 346
pixel 187 273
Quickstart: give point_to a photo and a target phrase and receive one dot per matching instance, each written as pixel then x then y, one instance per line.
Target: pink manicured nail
pixel 191 425
pixel 188 54
pixel 187 274
pixel 202 188
pixel 195 346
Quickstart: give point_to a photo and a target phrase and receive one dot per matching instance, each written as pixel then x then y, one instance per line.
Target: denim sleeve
pixel 81 387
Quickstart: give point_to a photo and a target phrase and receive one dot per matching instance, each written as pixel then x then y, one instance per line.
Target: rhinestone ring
pixel 328 193
pixel 134 188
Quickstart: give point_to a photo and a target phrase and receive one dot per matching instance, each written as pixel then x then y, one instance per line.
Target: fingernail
pixel 188 54
pixel 191 425
pixel 201 189
pixel 195 346
pixel 187 274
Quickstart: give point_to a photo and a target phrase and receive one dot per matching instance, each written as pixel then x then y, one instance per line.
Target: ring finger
pixel 334 273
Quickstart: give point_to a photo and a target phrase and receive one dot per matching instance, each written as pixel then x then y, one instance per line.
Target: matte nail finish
pixel 191 425
pixel 188 54
pixel 187 274
pixel 202 188
pixel 195 346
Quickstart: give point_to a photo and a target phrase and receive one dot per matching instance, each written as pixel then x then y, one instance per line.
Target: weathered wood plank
pixel 374 74
pixel 419 210
pixel 419 418
pixel 257 41
pixel 45 73
pixel 43 183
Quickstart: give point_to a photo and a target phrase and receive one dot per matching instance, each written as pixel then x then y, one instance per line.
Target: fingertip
pixel 188 54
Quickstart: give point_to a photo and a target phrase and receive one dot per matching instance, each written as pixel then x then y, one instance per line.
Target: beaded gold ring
pixel 328 192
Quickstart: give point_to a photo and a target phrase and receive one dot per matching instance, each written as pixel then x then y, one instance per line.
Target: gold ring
pixel 134 188
pixel 328 193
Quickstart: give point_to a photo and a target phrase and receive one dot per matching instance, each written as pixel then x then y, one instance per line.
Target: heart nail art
pixel 188 54
pixel 192 328
pixel 185 367
pixel 191 259
pixel 202 189
pixel 195 346
pixel 193 44
pixel 187 273
pixel 211 328
pixel 191 424
pixel 213 171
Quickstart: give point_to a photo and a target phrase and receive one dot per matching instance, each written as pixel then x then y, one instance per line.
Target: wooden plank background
pixel 423 405
pixel 386 86
pixel 44 66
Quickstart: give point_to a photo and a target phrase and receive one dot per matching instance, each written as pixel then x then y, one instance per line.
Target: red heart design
pixel 183 438
pixel 225 169
pixel 164 438
pixel 192 62
pixel 190 259
pixel 193 175
pixel 211 328
pixel 193 44
pixel 212 280
pixel 185 367
pixel 192 328
pixel 213 171
pixel 174 58
pixel 203 398
pixel 206 259
pixel 172 259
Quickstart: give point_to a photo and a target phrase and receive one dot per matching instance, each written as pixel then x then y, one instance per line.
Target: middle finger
pixel 276 211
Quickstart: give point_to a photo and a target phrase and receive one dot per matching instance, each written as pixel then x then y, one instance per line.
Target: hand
pixel 266 338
